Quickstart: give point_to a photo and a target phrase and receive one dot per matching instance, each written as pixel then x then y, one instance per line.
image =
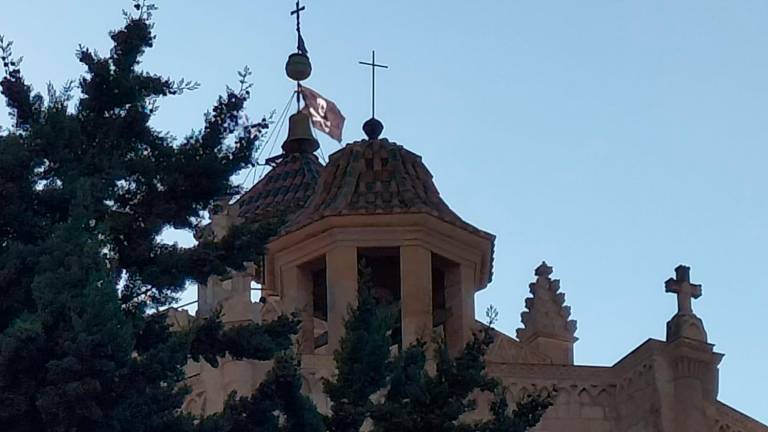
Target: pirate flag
pixel 324 113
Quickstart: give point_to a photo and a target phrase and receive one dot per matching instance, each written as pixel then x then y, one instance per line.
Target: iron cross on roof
pixel 297 11
pixel 685 290
pixel 373 66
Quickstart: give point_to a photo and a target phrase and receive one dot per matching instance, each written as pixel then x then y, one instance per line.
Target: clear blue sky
pixel 615 139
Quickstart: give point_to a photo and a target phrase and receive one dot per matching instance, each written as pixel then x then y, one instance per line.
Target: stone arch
pixel 584 397
pixel 603 397
pixel 563 395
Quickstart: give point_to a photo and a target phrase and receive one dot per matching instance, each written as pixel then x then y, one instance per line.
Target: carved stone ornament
pixel 546 313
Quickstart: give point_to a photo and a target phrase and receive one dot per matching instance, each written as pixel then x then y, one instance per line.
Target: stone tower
pixel 376 201
pixel 283 191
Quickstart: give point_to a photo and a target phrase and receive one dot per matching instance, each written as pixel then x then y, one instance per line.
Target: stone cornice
pixel 601 375
pixel 382 231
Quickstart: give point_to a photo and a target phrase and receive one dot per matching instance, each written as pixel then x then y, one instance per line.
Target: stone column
pixel 416 293
pixel 297 288
pixel 341 277
pixel 236 303
pixel 460 301
pixel 206 295
pixel 693 380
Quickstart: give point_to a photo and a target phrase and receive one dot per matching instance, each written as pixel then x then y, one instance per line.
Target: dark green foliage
pixel 418 400
pixel 209 339
pixel 362 360
pixel 279 392
pixel 85 192
pixel 402 395
pixel 527 413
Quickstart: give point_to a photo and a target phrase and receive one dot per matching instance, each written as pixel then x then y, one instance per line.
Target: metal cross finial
pixel 373 66
pixel 297 11
pixel 685 290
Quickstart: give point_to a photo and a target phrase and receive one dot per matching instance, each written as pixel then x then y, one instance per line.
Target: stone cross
pixel 297 11
pixel 685 290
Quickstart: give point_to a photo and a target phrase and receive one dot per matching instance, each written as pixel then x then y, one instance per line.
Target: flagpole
pixel 298 96
pixel 301 52
pixel 373 84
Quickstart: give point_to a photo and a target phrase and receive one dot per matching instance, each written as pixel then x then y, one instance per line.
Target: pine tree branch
pixel 210 340
pixel 362 360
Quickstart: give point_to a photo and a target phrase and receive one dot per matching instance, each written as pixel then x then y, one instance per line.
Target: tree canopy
pixel 85 192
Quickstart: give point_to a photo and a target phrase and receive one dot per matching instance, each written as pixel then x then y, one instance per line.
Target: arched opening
pixel 320 304
pixel 440 268
pixel 384 265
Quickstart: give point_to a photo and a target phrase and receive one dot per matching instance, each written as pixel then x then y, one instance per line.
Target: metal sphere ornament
pixel 373 128
pixel 298 66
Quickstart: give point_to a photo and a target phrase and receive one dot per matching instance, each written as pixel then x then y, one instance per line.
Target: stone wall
pixel 728 419
pixel 586 396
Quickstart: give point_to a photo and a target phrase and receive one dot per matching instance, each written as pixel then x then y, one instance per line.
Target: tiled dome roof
pixel 283 191
pixel 376 177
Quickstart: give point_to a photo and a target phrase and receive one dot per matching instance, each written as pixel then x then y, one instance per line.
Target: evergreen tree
pixel 84 194
pixel 362 360
pixel 277 405
pixel 402 395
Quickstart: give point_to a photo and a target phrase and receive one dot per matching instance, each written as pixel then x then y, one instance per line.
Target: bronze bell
pixel 300 138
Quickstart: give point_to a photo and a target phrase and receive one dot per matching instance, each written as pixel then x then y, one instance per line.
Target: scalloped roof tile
pixel 376 177
pixel 284 190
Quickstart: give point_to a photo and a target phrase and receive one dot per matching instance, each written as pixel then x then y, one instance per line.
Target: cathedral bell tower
pixel 375 201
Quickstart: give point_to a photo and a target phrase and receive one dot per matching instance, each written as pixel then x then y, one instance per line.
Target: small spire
pixel 546 314
pixel 300 46
pixel 298 67
pixel 543 270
